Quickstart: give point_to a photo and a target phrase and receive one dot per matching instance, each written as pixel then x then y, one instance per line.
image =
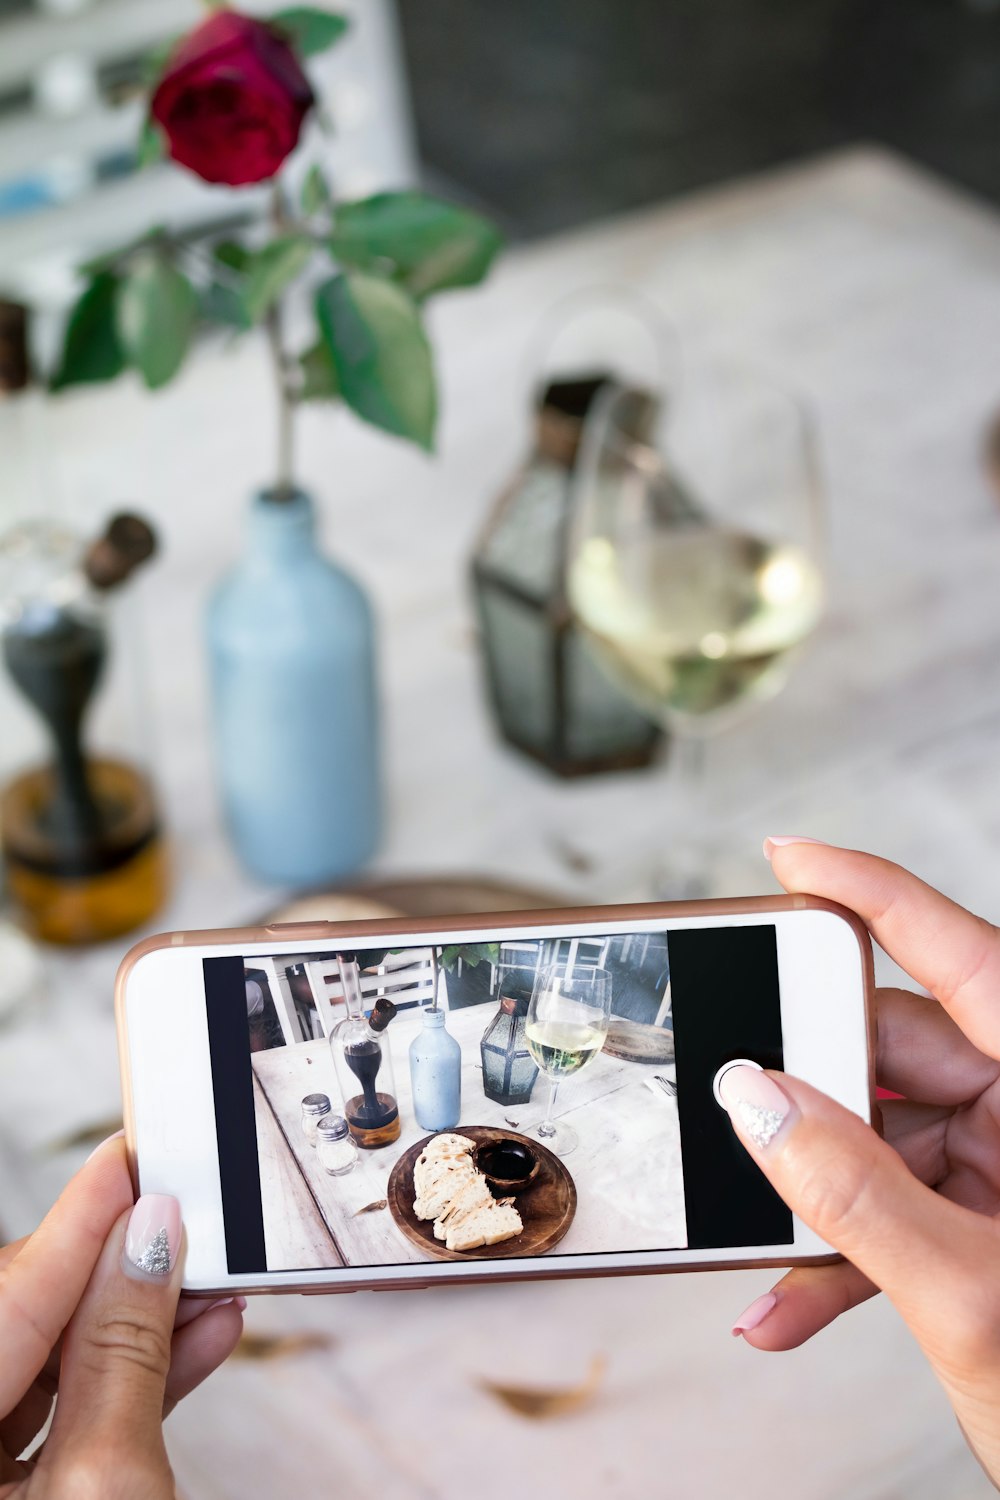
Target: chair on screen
pixel 407 979
pixel 293 1017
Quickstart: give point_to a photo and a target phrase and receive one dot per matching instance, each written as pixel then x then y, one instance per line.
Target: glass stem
pixel 686 874
pixel 691 759
pixel 547 1127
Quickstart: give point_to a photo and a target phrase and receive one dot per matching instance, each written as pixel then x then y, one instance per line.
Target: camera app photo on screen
pixel 383 1107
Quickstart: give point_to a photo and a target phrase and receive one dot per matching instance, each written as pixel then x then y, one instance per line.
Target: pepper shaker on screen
pixel 314 1107
pixel 335 1146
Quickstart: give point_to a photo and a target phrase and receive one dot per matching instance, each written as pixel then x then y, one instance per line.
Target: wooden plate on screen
pixel 546 1206
pixel 636 1042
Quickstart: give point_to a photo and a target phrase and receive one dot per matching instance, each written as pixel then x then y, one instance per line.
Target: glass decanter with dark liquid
pixel 363 1062
pixel 79 827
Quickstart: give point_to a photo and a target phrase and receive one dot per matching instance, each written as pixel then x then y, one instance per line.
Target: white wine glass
pixel 568 1020
pixel 695 567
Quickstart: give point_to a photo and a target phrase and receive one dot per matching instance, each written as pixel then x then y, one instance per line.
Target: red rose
pixel 232 100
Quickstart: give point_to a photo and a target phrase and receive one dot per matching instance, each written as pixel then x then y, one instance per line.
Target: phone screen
pixel 349 1140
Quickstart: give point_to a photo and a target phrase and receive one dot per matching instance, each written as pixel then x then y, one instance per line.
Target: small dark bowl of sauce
pixel 509 1166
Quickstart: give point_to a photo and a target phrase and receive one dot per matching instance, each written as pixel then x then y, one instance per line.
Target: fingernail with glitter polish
pixel 779 840
pixel 755 1103
pixel 153 1237
pixel 754 1315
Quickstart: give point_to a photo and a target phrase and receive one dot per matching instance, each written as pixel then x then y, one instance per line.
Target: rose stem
pixel 284 485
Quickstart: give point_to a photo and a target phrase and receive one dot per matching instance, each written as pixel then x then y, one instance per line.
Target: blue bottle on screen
pixel 292 656
pixel 436 1074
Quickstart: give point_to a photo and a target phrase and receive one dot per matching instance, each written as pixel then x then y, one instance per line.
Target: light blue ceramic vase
pixel 291 647
pixel 436 1074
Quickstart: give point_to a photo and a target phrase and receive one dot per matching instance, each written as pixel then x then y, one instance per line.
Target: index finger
pixel 41 1287
pixel 950 951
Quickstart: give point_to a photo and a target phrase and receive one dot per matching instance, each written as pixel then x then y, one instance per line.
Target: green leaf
pixel 91 349
pixel 222 301
pixel 309 30
pixel 319 378
pixel 316 194
pixel 218 303
pixel 270 270
pixel 476 953
pixel 156 310
pixel 472 954
pixel 430 245
pixel 151 146
pixel 380 352
pixel 232 254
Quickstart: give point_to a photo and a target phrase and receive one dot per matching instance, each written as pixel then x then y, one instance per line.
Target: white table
pixel 875 290
pixel 623 1128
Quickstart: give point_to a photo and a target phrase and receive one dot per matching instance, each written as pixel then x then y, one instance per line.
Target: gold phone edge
pixel 402 926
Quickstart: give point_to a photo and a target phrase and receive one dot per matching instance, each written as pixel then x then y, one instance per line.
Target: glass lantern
pixel 549 696
pixel 509 1070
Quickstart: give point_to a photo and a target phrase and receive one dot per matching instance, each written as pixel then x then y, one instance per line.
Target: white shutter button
pixel 734 1062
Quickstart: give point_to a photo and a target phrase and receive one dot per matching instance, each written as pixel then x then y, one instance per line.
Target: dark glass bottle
pixel 362 1059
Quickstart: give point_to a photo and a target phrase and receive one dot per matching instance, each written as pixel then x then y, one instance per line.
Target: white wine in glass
pixel 694 565
pixel 698 622
pixel 568 1020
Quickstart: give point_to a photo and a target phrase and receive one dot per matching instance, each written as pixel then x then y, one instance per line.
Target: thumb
pixel 925 1252
pixel 116 1354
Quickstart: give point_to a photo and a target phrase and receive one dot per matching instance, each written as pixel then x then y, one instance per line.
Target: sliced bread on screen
pixel 484 1226
pixel 449 1188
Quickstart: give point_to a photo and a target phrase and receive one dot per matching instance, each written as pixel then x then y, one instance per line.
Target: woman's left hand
pixel 121 1348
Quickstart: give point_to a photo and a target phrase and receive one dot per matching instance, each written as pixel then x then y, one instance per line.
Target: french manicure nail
pixel 239 1302
pixel 755 1102
pixel 778 841
pixel 754 1315
pixel 153 1236
pixel 101 1144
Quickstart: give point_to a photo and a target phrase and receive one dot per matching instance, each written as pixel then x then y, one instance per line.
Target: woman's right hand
pixel 914 1214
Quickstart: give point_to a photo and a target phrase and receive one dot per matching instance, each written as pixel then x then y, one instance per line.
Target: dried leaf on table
pixel 529 1401
pixel 280 1345
pixel 510 1122
pixel 87 1135
pixel 573 858
pixel 371 1208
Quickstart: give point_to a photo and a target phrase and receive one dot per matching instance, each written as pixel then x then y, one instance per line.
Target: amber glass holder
pixel 113 883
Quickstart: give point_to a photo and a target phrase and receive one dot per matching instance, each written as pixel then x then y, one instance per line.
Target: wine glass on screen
pixel 568 1020
pixel 695 566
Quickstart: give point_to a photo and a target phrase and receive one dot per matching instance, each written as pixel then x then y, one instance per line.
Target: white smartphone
pixel 399 1104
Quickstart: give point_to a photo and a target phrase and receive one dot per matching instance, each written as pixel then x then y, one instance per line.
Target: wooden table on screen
pixel 627 1166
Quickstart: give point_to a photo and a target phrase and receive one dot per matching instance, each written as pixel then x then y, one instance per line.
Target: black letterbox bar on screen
pixel 725 1000
pixel 235 1122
